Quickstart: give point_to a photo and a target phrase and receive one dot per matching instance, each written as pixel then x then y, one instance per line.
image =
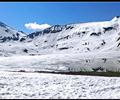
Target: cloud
pixel 35 26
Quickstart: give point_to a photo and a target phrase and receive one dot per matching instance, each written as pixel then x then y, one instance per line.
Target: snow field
pixel 16 85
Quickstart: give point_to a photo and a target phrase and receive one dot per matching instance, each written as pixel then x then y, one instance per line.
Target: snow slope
pixel 71 38
pixel 62 62
pixel 86 46
pixel 79 38
pixel 78 47
pixel 7 33
pixel 51 86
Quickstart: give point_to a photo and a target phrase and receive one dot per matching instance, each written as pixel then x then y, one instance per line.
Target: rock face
pixel 71 38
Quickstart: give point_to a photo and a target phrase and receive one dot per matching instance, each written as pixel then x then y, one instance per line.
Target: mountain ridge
pixel 72 38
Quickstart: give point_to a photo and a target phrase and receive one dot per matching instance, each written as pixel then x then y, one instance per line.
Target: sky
pixel 32 16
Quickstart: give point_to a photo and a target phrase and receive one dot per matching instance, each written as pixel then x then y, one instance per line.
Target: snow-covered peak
pixel 3 25
pixel 116 18
pixel 8 33
pixel 69 38
pixel 52 29
pixel 79 37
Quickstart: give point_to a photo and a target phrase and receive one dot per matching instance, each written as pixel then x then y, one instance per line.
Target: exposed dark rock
pixel 56 45
pixel 117 16
pixel 52 29
pixel 85 43
pixel 95 34
pixel 83 32
pixel 88 60
pixel 118 39
pixel 34 34
pixel 118 44
pixel 66 37
pixel 97 69
pixel 78 33
pixel 25 50
pixel 88 49
pixel 103 43
pixel 21 71
pixel 22 39
pixel 107 29
pixel 17 34
pixel 98 48
pixel 32 54
pixel 104 59
pixel 63 48
pixel 6 30
pixel 46 30
pixel 6 38
pixel 45 41
pixel 69 27
pixel 3 25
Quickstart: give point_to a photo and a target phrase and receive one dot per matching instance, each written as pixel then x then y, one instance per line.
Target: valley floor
pixel 20 85
pixel 28 84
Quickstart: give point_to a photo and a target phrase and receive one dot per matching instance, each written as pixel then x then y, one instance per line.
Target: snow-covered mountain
pixel 72 48
pixel 7 33
pixel 70 38
pixel 79 38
